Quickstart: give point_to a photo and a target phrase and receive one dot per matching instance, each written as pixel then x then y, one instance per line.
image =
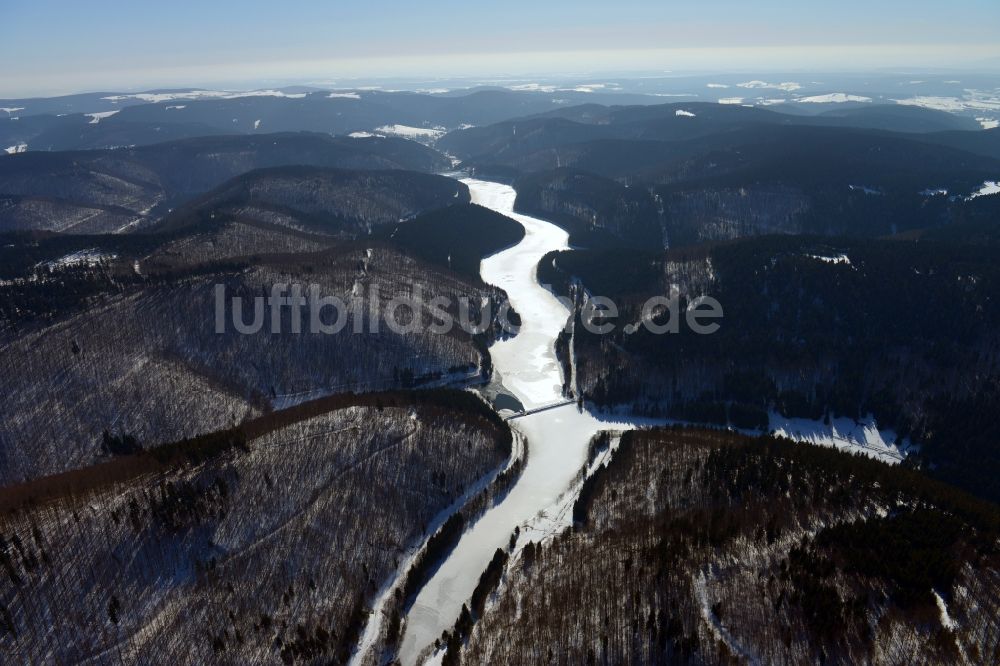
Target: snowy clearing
pixel 343 95
pixel 202 94
pixel 731 100
pixel 99 116
pixel 843 433
pixel 90 257
pixel 833 98
pixel 834 259
pixel 989 187
pixel 411 132
pixel 532 87
pixel 946 620
pixel 787 86
pixel 972 100
pixel 684 114
pixel 18 148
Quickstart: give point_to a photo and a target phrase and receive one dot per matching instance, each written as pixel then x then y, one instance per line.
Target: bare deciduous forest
pixel 267 549
pixel 699 546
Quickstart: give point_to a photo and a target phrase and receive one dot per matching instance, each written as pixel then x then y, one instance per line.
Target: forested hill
pixel 104 191
pixel 173 552
pixel 457 237
pixel 333 202
pixel 140 354
pixel 814 328
pixel 699 546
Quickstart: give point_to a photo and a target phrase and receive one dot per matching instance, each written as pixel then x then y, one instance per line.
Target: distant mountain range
pixel 103 191
pixel 685 173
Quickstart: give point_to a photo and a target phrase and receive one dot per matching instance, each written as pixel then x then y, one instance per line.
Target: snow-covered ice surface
pixel 99 116
pixel 557 438
pixel 843 433
pixel 526 361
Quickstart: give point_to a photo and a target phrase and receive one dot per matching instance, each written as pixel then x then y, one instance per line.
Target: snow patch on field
pixel 683 113
pixel 833 98
pixel 17 148
pixel 866 189
pixel 11 109
pixel 989 187
pixel 972 100
pixel 202 94
pixel 731 100
pixel 344 95
pixel 411 132
pixel 256 124
pixel 177 106
pixel 787 86
pixel 844 434
pixel 716 85
pixel 831 259
pixel 532 87
pixel 365 135
pixel 988 123
pixel 100 115
pixel 934 192
pixel 90 257
pixel 946 621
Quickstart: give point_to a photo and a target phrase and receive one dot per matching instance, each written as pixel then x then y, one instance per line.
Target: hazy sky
pixel 51 46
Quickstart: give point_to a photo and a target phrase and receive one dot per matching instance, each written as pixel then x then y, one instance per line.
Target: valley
pixel 195 467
